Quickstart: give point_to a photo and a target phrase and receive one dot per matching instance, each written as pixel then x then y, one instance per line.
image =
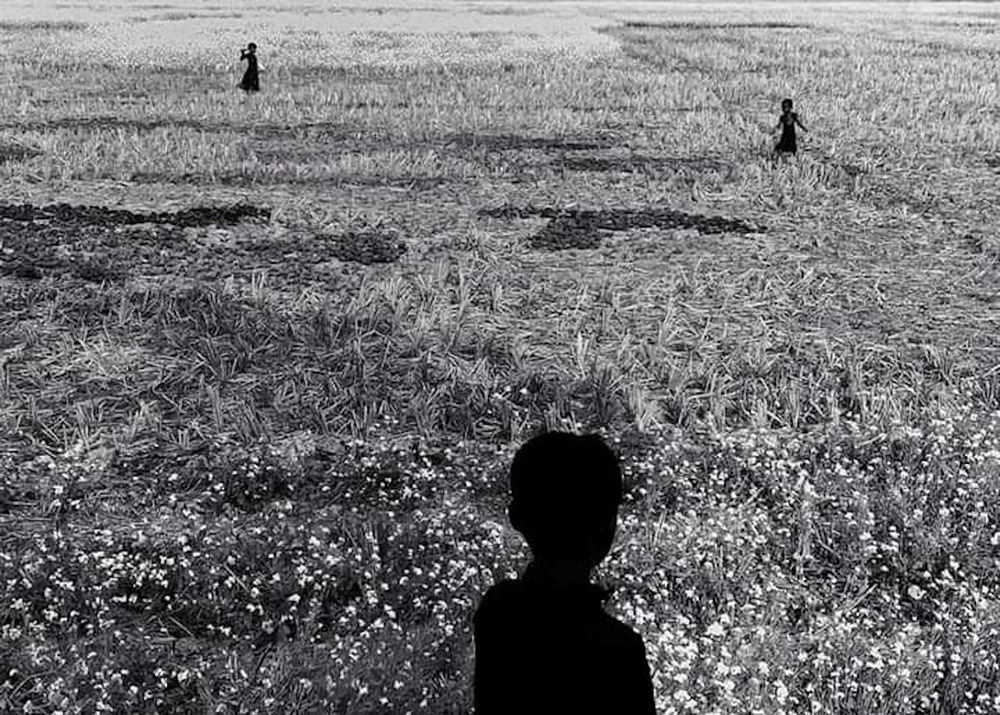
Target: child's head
pixel 565 492
pixel 786 105
pixel 252 47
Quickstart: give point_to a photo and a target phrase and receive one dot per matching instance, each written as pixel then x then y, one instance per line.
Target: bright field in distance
pixel 257 463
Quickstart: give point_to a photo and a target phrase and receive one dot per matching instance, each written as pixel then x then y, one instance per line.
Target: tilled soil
pixel 368 247
pixel 584 228
pixel 568 232
pixel 95 244
pixel 102 216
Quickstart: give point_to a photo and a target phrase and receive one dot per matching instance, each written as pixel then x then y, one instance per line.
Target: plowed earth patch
pixel 101 216
pixel 585 228
pixel 96 244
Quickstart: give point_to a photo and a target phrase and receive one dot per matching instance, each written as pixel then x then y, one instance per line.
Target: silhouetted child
pixel 543 642
pixel 251 78
pixel 787 123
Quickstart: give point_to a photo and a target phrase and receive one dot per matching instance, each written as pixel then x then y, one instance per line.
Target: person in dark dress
pixel 543 643
pixel 251 78
pixel 787 122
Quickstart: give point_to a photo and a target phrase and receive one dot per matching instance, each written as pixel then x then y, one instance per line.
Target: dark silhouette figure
pixel 251 78
pixel 543 642
pixel 787 122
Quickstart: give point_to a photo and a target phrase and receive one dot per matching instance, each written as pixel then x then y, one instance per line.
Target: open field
pixel 264 360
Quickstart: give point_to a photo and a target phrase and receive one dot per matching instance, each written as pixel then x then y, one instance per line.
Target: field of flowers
pixel 257 402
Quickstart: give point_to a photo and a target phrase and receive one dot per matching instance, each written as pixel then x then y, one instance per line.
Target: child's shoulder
pixel 500 591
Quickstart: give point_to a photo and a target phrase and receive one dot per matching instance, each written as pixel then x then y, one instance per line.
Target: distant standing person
pixel 787 122
pixel 251 78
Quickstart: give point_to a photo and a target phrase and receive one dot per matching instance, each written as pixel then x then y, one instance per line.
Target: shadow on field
pixel 637 164
pixel 718 25
pixel 419 183
pixel 327 130
pixel 515 142
pixel 584 228
pixel 175 16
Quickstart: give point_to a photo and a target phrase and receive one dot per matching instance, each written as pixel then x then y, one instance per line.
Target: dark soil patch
pixel 561 234
pixel 584 228
pixel 638 164
pixel 101 216
pixel 89 252
pixel 993 162
pixel 16 152
pixel 96 244
pixel 368 247
pixel 718 25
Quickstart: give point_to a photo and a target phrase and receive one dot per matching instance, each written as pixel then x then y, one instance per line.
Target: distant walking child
pixel 543 643
pixel 251 78
pixel 786 123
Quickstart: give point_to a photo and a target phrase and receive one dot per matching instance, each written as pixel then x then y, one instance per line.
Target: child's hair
pixel 786 104
pixel 252 46
pixel 563 488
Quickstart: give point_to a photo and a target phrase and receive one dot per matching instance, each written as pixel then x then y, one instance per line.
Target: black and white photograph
pixel 500 357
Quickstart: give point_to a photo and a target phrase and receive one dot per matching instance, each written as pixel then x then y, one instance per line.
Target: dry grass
pixel 260 467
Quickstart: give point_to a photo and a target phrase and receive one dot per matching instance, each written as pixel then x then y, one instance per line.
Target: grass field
pixel 264 360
